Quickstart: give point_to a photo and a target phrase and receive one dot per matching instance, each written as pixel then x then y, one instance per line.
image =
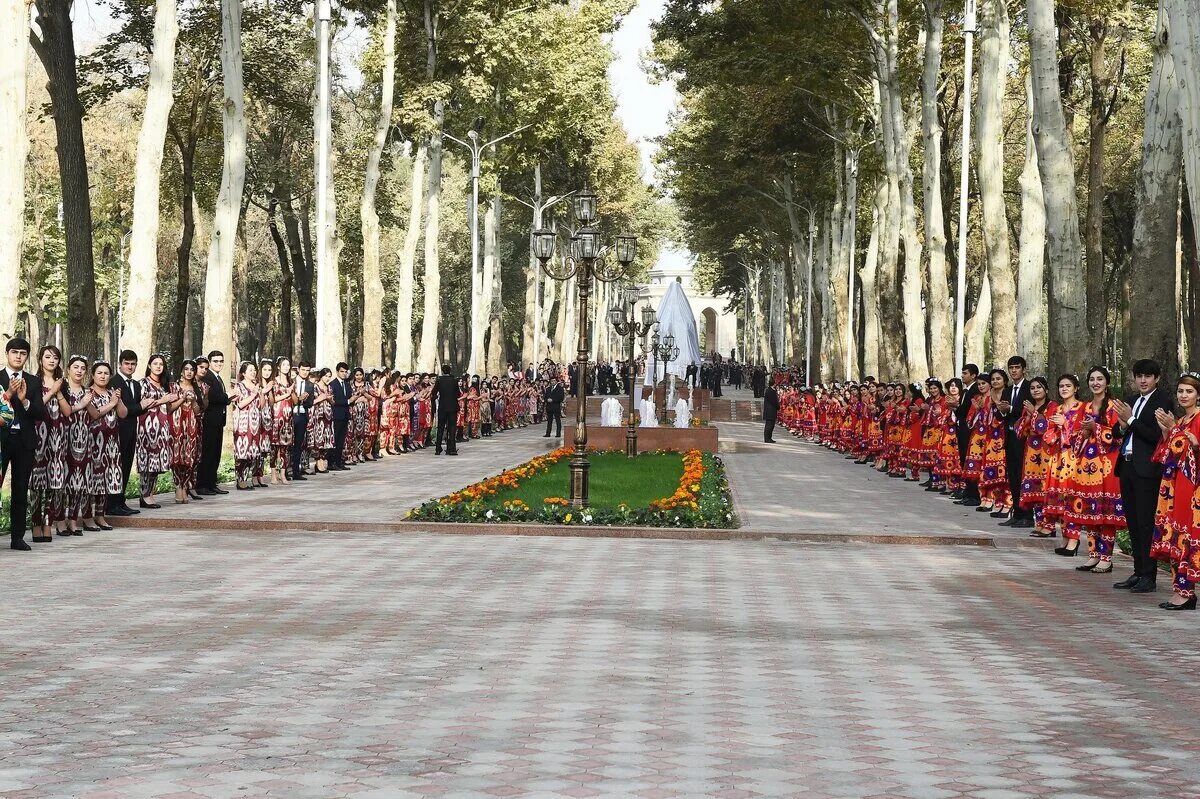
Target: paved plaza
pixel 189 665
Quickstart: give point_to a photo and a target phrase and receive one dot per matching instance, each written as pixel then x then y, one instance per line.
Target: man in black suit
pixel 1140 476
pixel 554 396
pixel 770 412
pixel 20 437
pixel 970 373
pixel 131 396
pixel 213 435
pixel 445 398
pixel 1012 406
pixel 341 417
pixel 305 391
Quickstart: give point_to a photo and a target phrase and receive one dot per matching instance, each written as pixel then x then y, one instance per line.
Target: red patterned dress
pixel 936 412
pixel 282 432
pixel 1061 469
pixel 105 476
pixel 185 437
pixel 947 468
pixel 1176 537
pixel 153 438
pixel 994 490
pixel 320 425
pixel 1041 451
pixel 49 474
pixel 1094 490
pixel 248 438
pixel 79 457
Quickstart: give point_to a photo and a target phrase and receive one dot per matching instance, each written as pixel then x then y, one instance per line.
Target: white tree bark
pixel 1184 39
pixel 941 328
pixel 825 354
pixel 431 324
pixel 1066 281
pixel 870 288
pixel 1031 266
pixel 531 330
pixel 993 72
pixel 331 343
pixel 218 280
pixel 143 237
pixel 408 257
pixel 493 287
pixel 975 329
pixel 372 321
pixel 14 147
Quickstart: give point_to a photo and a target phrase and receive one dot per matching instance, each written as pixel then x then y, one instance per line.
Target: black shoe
pixel 43 540
pixel 299 477
pixel 63 534
pixel 979 508
pixel 1189 605
pixel 452 453
pixel 1088 567
pixel 1144 587
pixel 118 512
pixel 20 546
pixel 220 490
pixel 437 452
pixel 207 492
pixel 1128 582
pixel 1067 552
pixel 1022 522
pixel 89 529
pixel 194 495
pixel 956 494
pixel 149 505
pixel 106 527
pixel 933 488
pixel 927 484
pixel 546 436
pixel 968 502
pixel 1000 514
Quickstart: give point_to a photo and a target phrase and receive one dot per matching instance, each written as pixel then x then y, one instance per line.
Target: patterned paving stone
pixel 152 664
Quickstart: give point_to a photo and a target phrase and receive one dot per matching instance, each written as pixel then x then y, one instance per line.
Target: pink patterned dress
pixel 153 438
pixel 105 476
pixel 49 475
pixel 79 458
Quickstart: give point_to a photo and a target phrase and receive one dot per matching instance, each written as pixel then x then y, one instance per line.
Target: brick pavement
pixel 184 666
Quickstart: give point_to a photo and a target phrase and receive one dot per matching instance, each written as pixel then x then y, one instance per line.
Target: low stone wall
pixel 650 439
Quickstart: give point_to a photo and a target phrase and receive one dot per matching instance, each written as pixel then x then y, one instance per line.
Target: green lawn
pixel 612 480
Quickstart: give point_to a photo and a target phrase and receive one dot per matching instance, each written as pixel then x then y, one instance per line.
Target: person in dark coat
pixel 770 412
pixel 341 417
pixel 305 392
pixel 554 396
pixel 1013 406
pixel 20 436
pixel 445 399
pixel 212 436
pixel 970 373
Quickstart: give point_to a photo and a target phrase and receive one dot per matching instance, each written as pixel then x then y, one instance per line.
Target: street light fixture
pixel 626 325
pixel 585 263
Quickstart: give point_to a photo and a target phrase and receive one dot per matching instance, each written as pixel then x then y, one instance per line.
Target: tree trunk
pixel 1069 345
pixel 183 254
pixel 14 27
pixel 372 318
pixel 1184 18
pixel 975 329
pixel 287 333
pixel 1031 266
pixel 941 329
pixel 870 289
pixel 493 286
pixel 408 257
pixel 218 280
pixel 430 325
pixel 331 343
pixel 993 72
pixel 1154 283
pixel 300 249
pixel 56 50
pixel 143 239
pixel 531 329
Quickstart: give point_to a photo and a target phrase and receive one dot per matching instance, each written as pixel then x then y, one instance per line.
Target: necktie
pixel 16 425
pixel 1137 409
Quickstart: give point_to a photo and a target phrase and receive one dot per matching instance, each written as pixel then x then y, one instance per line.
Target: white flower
pixel 489 514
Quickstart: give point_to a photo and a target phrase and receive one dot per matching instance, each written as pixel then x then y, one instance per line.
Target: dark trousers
pixel 1014 464
pixel 768 428
pixel 338 456
pixel 1139 495
pixel 971 488
pixel 554 416
pixel 20 464
pixel 299 436
pixel 128 441
pixel 210 456
pixel 447 428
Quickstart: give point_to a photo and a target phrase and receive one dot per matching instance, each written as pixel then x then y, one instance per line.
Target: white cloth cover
pixel 675 318
pixel 611 413
pixel 683 414
pixel 648 417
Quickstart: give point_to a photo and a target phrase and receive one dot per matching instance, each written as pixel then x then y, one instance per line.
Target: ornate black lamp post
pixel 663 350
pixel 585 262
pixel 625 325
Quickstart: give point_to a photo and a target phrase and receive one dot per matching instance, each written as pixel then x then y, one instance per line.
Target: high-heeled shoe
pixel 1190 604
pixel 1087 567
pixel 63 533
pixel 46 539
pixel 1067 552
pixel 148 505
pixel 1098 570
pixel 194 495
pixel 89 529
pixel 105 527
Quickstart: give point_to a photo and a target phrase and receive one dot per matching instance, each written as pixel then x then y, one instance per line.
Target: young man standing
pixel 213 434
pixel 20 436
pixel 131 396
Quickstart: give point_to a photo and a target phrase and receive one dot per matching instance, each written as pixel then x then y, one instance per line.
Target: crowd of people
pixel 1070 459
pixel 72 429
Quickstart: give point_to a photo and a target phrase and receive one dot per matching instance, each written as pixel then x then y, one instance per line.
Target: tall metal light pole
pixel 626 325
pixel 964 185
pixel 586 262
pixel 326 294
pixel 473 144
pixel 850 338
pixel 808 337
pixel 663 350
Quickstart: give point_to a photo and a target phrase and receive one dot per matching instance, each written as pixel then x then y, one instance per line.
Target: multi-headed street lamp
pixel 626 325
pixel 664 351
pixel 587 260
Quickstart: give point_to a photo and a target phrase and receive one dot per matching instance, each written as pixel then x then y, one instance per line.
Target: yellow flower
pixel 567 518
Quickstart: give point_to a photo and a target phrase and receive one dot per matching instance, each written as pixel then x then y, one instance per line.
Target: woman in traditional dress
pixel 1176 537
pixel 266 421
pixel 248 406
pixel 49 473
pixel 947 467
pixel 282 432
pixel 356 430
pixel 1094 490
pixel 319 439
pixel 185 432
pixel 1066 421
pixel 154 428
pixel 994 491
pixel 76 496
pixel 104 411
pixel 1041 449
pixel 932 424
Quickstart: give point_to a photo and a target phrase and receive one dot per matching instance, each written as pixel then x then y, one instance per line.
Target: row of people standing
pixel 1001 442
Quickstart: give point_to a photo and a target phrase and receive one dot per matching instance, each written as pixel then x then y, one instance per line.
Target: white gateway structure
pixel 717 328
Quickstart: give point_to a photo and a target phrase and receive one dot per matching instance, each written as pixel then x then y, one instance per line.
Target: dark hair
pixel 343 365
pixel 304 362
pixel 1017 360
pixel 1045 387
pixel 445 368
pixel 1147 366
pixel 76 358
pixel 18 344
pixel 165 380
pixel 96 365
pixel 915 390
pixel 186 363
pixel 954 381
pixel 200 359
pixel 280 360
pixel 126 356
pixel 971 369
pixel 58 371
pixel 1000 372
pixel 933 381
pixel 216 354
pixel 266 362
pixel 1068 376
pixel 243 366
pixel 1107 388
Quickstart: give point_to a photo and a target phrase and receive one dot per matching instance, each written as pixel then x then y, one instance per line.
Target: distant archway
pixel 708 323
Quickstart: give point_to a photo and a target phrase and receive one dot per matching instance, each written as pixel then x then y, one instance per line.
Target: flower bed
pixel 701 499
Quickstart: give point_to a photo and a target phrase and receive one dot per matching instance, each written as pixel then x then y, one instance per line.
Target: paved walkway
pixel 144 664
